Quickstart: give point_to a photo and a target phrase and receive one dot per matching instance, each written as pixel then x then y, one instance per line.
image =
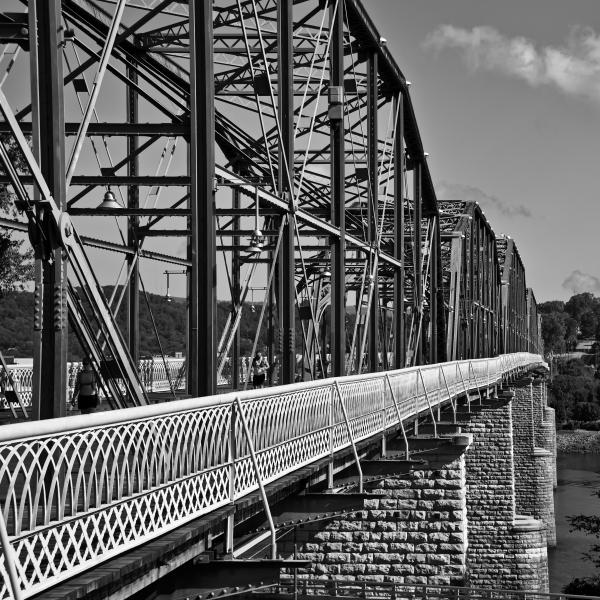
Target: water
pixel 578 478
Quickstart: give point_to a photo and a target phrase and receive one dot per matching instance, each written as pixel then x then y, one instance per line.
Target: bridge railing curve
pixel 82 489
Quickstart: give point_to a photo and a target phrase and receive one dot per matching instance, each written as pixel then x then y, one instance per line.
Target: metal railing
pixel 374 590
pixel 153 373
pixel 79 490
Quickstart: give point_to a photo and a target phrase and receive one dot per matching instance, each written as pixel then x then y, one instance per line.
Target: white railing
pixel 79 490
pixel 153 374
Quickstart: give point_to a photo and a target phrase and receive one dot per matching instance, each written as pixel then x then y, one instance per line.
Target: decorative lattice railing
pixel 153 373
pixel 79 490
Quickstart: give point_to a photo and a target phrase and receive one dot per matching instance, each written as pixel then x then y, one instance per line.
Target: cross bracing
pixel 215 121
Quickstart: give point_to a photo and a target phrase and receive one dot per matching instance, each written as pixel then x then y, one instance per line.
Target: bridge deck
pixel 86 489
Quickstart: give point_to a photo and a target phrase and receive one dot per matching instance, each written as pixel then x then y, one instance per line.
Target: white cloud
pixel 579 282
pixel 459 191
pixel 574 67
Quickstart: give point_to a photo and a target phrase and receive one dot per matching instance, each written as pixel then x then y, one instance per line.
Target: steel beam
pixel 418 266
pixel 338 201
pixel 202 348
pixel 373 206
pixel 399 335
pixel 286 265
pixel 133 203
pixel 49 387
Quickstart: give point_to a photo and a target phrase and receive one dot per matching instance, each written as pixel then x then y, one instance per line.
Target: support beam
pixel 399 343
pixel 417 252
pixel 338 173
pixel 133 202
pixel 433 292
pixel 202 353
pixel 287 301
pixel 372 212
pixel 50 296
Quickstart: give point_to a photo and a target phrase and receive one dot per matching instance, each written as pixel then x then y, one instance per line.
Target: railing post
pixel 10 562
pixel 476 382
pixel 261 486
pixel 428 404
pixel 351 437
pixel 416 404
pixel 383 423
pixel 464 387
pixel 452 401
pixel 230 524
pixel 331 428
pixel 407 452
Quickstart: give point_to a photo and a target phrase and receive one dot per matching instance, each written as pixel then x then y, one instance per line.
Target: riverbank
pixel 578 441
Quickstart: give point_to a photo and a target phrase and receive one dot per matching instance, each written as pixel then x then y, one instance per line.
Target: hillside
pixel 16 325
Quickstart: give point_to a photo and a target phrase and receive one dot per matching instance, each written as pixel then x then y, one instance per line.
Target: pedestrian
pixel 260 366
pixel 86 388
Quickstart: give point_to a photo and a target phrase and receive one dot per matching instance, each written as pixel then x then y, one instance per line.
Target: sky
pixel 507 97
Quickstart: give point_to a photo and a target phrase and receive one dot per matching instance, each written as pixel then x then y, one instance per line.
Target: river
pixel 578 478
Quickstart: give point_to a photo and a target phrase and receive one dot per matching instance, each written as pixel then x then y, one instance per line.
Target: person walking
pixel 86 388
pixel 260 367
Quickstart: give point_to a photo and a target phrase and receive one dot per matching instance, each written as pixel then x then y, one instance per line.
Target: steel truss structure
pixel 286 122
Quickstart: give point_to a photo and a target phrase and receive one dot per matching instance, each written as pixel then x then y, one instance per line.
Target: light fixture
pixel 256 239
pixel 326 272
pixel 109 201
pixel 168 297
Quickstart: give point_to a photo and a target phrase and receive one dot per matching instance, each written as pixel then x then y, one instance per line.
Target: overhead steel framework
pixel 278 140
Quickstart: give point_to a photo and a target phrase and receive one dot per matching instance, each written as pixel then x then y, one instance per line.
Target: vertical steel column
pixel 373 206
pixel 133 201
pixel 418 286
pixel 50 321
pixel 399 349
pixel 338 201
pixel 434 291
pixel 235 296
pixel 287 300
pixel 203 272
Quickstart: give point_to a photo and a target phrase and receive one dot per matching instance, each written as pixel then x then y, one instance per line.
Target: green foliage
pixel 583 586
pixel 586 411
pixel 563 323
pixel 554 329
pixel 551 306
pixel 575 392
pixel 16 266
pixel 16 325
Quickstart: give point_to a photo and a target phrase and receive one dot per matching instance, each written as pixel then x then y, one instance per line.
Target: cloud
pixel 458 191
pixel 573 68
pixel 579 282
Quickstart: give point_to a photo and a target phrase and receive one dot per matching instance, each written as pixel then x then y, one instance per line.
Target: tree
pixel 588 323
pixel 589 524
pixel 579 304
pixel 16 265
pixel 552 306
pixel 553 331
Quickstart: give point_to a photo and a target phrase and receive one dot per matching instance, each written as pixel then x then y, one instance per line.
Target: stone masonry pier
pixel 473 506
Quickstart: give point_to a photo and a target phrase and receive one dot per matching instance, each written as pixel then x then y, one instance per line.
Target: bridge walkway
pixel 84 490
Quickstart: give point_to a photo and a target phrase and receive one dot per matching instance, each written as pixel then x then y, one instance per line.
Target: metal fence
pixel 310 588
pixel 153 373
pixel 79 490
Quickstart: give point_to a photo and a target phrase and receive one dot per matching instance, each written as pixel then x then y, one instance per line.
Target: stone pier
pixel 473 506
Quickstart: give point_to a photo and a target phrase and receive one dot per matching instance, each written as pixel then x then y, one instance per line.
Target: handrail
pixel 384 590
pixel 171 462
